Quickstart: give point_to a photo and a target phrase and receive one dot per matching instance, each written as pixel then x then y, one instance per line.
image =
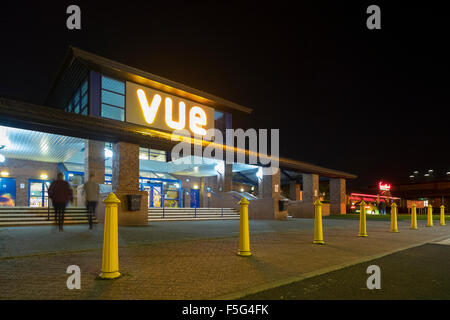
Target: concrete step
pixel 6 212
pixel 193 210
pixel 20 216
pixel 191 219
pixel 184 216
pixel 192 214
pixel 40 218
pixel 36 208
pixel 52 214
pixel 34 223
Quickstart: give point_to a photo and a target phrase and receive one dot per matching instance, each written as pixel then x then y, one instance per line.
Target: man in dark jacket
pixel 61 193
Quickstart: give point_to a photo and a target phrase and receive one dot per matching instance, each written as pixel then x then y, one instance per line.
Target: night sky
pixel 370 102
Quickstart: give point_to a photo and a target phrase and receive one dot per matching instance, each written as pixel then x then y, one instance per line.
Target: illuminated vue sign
pixel 159 110
pixel 384 186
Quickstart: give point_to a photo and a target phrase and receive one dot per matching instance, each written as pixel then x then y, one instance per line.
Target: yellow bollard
pixel 110 258
pixel 362 219
pixel 430 216
pixel 244 236
pixel 414 217
pixel 394 227
pixel 318 230
pixel 442 215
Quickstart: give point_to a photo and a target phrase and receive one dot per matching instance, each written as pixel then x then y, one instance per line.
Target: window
pixel 152 154
pixel 220 120
pixel 79 102
pixel 113 99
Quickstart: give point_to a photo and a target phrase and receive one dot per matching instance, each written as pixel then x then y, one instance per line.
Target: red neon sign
pixel 384 187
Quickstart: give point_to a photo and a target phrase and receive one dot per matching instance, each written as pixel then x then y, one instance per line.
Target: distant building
pixel 423 188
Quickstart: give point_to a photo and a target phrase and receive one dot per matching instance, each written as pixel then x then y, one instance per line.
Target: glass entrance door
pixel 154 194
pixel 46 185
pixel 38 193
pixel 195 198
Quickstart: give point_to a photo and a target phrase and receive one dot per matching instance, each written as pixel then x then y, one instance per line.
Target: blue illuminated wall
pixel 7 192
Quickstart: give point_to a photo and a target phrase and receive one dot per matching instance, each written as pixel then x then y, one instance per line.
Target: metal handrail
pixel 48 209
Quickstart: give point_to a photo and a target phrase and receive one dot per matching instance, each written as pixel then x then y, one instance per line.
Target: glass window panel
pixel 113 85
pixel 76 97
pixel 113 98
pixel 84 87
pixel 84 100
pixel 77 108
pixel 218 115
pixel 157 155
pixel 143 154
pixel 112 112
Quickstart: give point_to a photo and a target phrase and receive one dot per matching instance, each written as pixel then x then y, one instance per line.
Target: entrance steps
pixel 190 214
pixel 26 216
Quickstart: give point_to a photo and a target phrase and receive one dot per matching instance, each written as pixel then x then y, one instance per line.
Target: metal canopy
pixel 38 146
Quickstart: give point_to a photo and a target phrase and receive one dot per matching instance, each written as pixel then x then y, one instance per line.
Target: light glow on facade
pixel 108 153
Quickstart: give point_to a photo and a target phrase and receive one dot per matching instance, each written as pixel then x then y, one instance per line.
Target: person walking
pixel 60 192
pixel 91 191
pixel 382 207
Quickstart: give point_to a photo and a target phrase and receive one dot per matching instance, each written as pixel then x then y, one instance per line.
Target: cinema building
pixel 99 119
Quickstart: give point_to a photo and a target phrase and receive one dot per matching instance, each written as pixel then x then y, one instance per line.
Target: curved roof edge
pixel 312 168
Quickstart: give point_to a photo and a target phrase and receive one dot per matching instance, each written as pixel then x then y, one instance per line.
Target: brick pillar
pixel 337 196
pixel 269 191
pixel 227 178
pixel 94 160
pixel 294 190
pixel 310 193
pixel 125 181
pixel 202 192
pixel 310 187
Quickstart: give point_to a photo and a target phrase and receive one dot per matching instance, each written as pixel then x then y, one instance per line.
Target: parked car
pixel 371 208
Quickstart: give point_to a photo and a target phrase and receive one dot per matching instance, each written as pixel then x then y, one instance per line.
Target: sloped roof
pixel 128 73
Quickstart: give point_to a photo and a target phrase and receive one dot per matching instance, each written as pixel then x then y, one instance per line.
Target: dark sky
pixel 370 102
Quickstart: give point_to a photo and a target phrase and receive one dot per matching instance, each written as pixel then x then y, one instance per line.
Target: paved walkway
pixel 190 260
pixel 413 274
